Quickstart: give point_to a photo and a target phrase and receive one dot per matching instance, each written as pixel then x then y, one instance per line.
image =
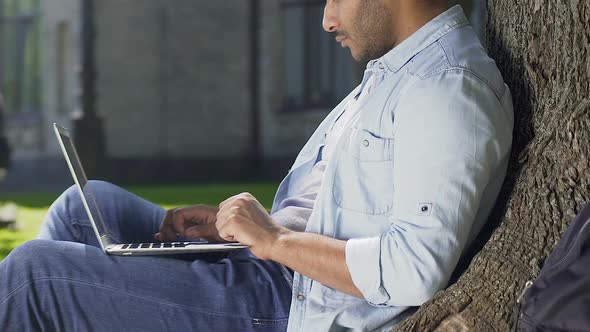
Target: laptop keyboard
pixel 159 245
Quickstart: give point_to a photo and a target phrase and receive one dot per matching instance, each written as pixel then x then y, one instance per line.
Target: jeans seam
pixel 85 283
pixel 79 223
pixel 287 275
pixel 270 322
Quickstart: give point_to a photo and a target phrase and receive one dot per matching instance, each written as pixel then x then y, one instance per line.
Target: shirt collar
pixel 439 26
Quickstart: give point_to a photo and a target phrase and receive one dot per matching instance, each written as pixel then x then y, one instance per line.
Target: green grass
pixel 33 207
pixel 29 220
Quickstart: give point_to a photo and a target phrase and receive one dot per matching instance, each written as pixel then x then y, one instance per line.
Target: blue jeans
pixel 63 282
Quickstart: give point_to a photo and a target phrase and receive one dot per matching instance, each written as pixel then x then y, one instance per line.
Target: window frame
pixel 20 29
pixel 308 105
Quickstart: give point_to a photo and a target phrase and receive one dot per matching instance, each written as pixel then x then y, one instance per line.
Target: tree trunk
pixel 542 47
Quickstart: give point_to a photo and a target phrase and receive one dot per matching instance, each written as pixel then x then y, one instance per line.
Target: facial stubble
pixel 372 30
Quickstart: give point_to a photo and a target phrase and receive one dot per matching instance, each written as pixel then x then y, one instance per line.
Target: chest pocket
pixel 363 180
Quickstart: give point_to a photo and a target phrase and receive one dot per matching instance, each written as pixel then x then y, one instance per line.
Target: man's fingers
pixel 222 213
pixel 166 232
pixel 242 196
pixel 178 221
pixel 224 229
pixel 238 208
pixel 227 227
pixel 227 200
pixel 183 219
pixel 167 219
pixel 227 238
pixel 201 231
pixel 195 232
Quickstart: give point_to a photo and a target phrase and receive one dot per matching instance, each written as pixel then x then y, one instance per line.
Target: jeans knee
pixel 71 192
pixel 67 217
pixel 47 256
pixel 31 255
pixel 97 187
pixel 61 211
pixel 33 249
pixel 71 197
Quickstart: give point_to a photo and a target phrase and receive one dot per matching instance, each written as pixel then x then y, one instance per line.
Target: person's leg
pixel 68 286
pixel 129 218
pixel 63 286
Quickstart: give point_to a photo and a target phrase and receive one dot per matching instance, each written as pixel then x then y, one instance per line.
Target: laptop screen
pixel 86 187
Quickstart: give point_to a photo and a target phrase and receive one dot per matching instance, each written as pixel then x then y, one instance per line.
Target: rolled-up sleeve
pixel 451 134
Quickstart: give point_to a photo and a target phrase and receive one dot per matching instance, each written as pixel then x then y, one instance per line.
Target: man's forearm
pixel 318 257
pixel 242 218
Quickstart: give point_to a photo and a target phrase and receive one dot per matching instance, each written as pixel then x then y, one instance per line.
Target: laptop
pixel 107 242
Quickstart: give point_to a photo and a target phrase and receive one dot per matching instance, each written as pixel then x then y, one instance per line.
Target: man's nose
pixel 330 21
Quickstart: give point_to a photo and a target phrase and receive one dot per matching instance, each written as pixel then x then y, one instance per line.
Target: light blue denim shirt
pixel 411 181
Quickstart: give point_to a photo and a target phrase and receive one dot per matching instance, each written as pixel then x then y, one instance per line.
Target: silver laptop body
pixel 107 242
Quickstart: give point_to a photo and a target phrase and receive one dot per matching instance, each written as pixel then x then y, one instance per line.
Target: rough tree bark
pixel 542 48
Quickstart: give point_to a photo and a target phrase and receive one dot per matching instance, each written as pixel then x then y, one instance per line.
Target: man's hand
pixel 191 222
pixel 242 218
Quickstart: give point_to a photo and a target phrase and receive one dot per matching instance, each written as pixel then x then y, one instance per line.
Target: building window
pixel 63 35
pixel 19 55
pixel 318 72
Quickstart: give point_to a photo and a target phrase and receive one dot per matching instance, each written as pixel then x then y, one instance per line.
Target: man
pixel 372 218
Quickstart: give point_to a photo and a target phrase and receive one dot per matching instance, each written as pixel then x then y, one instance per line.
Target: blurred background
pixel 161 91
pixel 165 92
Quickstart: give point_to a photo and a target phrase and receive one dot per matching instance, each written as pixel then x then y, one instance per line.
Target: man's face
pixel 364 26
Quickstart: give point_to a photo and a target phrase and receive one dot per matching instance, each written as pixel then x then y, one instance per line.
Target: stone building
pixel 39 59
pixel 184 90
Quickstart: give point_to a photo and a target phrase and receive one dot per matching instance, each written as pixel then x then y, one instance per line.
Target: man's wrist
pixel 278 245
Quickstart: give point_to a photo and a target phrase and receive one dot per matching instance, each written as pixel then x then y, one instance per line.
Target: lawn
pixel 32 207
